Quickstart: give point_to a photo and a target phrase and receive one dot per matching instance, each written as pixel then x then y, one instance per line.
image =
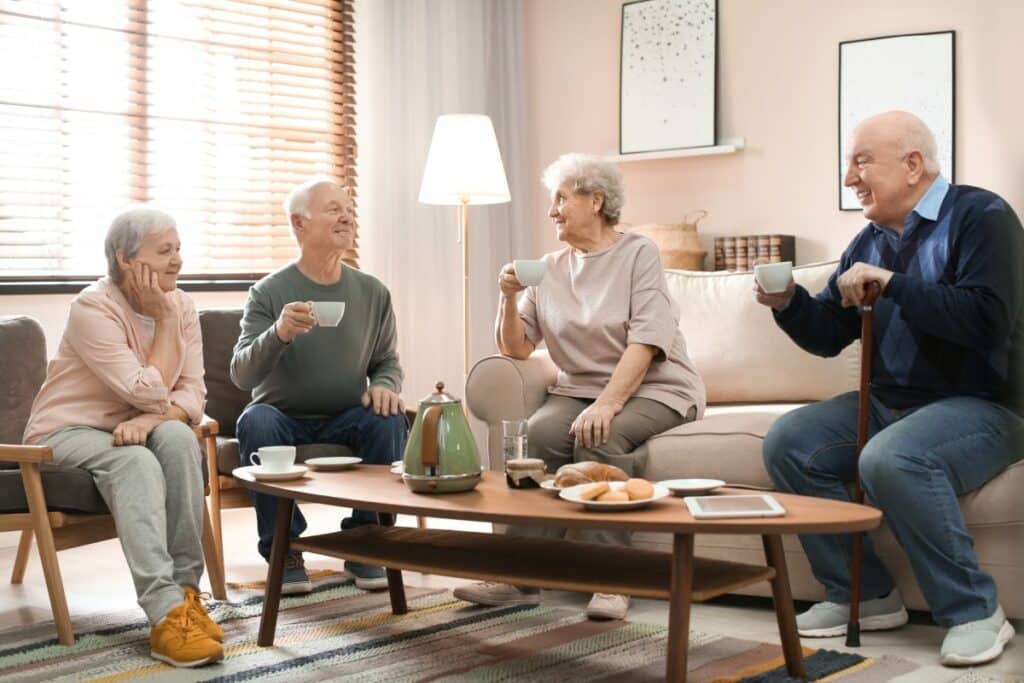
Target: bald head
pixel 904 133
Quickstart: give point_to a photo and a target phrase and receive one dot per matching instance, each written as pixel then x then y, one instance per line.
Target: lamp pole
pixel 464 232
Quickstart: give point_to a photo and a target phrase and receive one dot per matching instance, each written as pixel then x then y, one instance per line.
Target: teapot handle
pixel 428 449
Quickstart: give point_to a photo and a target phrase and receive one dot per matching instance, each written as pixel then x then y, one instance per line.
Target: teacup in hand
pixel 774 277
pixel 274 458
pixel 529 272
pixel 328 313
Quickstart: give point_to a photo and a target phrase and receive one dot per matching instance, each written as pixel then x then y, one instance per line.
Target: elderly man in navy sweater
pixel 946 415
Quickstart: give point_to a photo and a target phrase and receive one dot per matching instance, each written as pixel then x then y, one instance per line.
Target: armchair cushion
pixel 67 489
pixel 224 401
pixel 23 369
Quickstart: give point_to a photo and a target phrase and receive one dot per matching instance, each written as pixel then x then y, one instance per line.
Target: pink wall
pixel 778 89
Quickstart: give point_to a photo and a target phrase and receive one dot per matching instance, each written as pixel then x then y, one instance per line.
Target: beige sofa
pixel 754 373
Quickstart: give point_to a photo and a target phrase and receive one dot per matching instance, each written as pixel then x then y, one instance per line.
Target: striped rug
pixel 342 633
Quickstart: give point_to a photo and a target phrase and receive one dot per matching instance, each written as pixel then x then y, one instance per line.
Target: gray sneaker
pixel 827 619
pixel 497 594
pixel 976 642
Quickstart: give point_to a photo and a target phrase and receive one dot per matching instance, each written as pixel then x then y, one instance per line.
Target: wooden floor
pixel 106 586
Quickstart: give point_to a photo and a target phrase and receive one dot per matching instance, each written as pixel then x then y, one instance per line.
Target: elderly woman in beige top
pixel 125 383
pixel 604 310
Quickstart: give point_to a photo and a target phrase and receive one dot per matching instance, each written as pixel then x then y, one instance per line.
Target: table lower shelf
pixel 526 561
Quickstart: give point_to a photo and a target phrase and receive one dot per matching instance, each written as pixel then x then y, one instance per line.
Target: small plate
pixel 691 487
pixel 398 467
pixel 295 472
pixel 336 462
pixel 572 494
pixel 549 486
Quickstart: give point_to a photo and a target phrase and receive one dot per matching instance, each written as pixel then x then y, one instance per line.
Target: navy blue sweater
pixel 951 320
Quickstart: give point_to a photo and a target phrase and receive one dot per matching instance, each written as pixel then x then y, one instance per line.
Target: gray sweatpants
pixel 155 493
pixel 548 438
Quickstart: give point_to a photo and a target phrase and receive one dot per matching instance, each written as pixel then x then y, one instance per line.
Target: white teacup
pixel 328 313
pixel 530 272
pixel 274 458
pixel 774 277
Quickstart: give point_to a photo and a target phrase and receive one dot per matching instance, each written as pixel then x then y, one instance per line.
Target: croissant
pixel 587 472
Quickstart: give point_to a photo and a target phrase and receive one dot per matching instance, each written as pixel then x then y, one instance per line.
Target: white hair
pixel 589 174
pixel 919 137
pixel 128 231
pixel 297 201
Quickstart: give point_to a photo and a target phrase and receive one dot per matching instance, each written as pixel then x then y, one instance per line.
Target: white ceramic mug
pixel 774 277
pixel 274 458
pixel 328 313
pixel 530 272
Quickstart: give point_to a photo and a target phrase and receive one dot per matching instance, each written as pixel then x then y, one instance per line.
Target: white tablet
pixel 714 507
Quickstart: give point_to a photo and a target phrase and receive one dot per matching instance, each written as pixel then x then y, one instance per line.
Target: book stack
pixel 740 253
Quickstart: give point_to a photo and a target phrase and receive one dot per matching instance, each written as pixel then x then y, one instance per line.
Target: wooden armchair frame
pixel 55 531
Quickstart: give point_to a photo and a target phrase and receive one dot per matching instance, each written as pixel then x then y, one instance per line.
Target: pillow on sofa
pixel 739 350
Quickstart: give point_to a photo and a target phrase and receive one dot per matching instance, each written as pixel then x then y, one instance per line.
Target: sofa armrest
pixel 13 453
pixel 502 388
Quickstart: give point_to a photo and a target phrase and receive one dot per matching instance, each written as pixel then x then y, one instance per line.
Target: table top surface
pixel 373 487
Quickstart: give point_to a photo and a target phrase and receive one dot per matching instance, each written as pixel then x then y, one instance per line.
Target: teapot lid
pixel 439 396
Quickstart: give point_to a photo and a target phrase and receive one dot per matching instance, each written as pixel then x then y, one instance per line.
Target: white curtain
pixel 416 60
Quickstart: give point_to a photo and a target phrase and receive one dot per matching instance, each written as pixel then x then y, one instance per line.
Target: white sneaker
pixel 497 594
pixel 829 619
pixel 976 642
pixel 607 606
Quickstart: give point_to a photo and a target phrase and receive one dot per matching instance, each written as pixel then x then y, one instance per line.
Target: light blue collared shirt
pixel 927 206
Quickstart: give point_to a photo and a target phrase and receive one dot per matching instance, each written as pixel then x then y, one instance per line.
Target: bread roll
pixel 638 489
pixel 594 490
pixel 584 472
pixel 617 496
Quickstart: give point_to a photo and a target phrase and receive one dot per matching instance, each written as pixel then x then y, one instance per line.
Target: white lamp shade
pixel 464 163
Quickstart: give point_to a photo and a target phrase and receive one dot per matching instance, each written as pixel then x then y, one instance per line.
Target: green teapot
pixel 441 455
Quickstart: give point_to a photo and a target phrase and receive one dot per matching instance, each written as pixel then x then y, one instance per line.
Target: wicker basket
pixel 677 242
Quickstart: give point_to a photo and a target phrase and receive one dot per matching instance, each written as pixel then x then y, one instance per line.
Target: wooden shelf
pixel 527 561
pixel 725 147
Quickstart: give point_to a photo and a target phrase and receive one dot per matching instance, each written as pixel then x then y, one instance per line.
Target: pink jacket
pixel 99 377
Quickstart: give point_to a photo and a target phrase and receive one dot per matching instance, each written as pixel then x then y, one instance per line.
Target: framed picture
pixel 914 73
pixel 668 74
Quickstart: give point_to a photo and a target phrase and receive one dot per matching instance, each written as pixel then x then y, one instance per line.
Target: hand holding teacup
pixel 296 319
pixel 508 283
pixel 773 284
pixel 520 274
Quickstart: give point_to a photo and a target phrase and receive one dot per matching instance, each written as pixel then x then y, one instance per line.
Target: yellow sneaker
pixel 194 599
pixel 179 641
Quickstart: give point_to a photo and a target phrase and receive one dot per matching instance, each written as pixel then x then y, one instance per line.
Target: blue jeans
pixel 914 466
pixel 377 439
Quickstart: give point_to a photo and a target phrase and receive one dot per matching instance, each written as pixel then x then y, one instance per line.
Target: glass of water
pixel 513 442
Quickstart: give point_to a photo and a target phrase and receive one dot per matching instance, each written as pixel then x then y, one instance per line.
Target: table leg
pixel 275 571
pixel 783 599
pixel 679 607
pixel 397 590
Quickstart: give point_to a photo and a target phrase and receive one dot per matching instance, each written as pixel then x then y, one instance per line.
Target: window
pixel 211 109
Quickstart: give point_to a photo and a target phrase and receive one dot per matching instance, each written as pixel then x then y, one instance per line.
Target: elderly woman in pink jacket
pixel 119 396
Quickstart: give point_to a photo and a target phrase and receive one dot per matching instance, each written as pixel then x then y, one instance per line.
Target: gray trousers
pixel 548 438
pixel 155 493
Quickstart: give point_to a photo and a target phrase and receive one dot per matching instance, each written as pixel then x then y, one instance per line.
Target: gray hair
pixel 920 137
pixel 297 201
pixel 588 174
pixel 128 231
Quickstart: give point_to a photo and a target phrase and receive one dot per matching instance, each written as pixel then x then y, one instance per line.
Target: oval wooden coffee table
pixel 546 563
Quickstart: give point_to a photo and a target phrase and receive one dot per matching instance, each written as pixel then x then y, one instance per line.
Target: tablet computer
pixel 714 507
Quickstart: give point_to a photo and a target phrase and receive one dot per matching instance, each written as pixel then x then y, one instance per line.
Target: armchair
pixel 59 506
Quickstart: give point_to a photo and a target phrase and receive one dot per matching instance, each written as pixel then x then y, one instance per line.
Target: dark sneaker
pixel 368 577
pixel 296 580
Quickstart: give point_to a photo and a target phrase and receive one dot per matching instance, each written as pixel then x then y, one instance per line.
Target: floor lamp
pixel 464 167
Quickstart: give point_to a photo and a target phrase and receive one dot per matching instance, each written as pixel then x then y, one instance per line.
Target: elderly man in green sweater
pixel 312 383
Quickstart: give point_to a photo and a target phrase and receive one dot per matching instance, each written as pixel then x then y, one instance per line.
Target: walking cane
pixel 871 292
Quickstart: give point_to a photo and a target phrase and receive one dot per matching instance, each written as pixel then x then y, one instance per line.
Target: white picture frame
pixel 668 75
pixel 915 73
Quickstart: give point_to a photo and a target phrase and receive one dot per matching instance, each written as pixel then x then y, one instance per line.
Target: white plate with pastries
pixel 576 494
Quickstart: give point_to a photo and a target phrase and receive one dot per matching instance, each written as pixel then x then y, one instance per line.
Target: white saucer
pixel 398 467
pixel 336 462
pixel 691 487
pixel 572 494
pixel 295 472
pixel 549 485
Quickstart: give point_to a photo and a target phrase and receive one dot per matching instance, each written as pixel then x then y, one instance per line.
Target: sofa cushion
pixel 228 457
pixel 224 401
pixel 741 353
